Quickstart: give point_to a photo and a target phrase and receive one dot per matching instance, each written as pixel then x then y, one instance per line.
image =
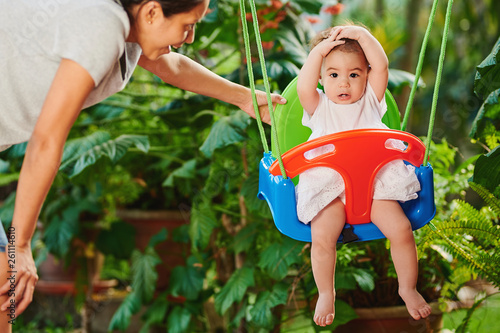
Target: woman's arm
pixel 70 88
pixel 186 74
pixel 310 73
pixel 375 54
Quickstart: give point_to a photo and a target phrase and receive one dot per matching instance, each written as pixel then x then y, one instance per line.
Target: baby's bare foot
pixel 325 310
pixel 415 303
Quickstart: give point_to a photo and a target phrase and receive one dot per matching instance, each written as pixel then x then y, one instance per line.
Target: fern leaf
pixel 467 212
pixel 488 197
pixel 485 233
pixel 458 250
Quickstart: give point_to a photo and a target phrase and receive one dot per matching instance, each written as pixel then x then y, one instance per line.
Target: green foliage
pixel 187 280
pixel 179 320
pixel 121 319
pixel 487 171
pixel 144 278
pixel 473 237
pixel 118 241
pixel 276 259
pixel 488 73
pixel 260 313
pixel 226 131
pixel 83 152
pixel 486 85
pixel 234 290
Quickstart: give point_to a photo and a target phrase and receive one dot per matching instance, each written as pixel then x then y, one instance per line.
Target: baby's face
pixel 344 76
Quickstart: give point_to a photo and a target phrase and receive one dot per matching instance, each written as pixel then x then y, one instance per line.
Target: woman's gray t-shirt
pixel 36 34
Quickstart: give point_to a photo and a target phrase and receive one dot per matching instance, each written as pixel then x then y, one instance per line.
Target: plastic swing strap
pixel 420 63
pixel 246 38
pixel 438 79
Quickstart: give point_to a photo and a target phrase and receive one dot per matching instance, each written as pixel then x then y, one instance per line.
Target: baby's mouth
pixel 343 96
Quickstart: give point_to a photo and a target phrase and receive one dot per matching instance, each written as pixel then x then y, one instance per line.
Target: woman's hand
pixel 247 106
pixel 20 285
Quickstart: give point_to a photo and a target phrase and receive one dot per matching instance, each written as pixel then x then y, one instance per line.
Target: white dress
pixel 319 186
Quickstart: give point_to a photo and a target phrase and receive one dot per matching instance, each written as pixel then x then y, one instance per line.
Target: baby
pixel 352 67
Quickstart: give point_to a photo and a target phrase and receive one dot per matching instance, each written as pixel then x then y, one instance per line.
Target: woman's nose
pixel 190 37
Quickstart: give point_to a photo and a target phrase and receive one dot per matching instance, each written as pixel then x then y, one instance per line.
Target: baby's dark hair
pixel 169 7
pixel 350 45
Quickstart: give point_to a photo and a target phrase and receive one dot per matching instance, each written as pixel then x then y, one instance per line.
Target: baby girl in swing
pixel 352 67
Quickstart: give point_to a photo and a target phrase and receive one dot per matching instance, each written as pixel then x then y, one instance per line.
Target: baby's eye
pixel 353 75
pixel 334 75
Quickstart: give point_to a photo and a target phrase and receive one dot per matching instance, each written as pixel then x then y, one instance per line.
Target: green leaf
pixel 234 289
pixel 158 238
pixel 203 221
pixel 488 73
pixel 121 319
pixel 7 209
pixel 59 234
pixel 178 320
pixel 244 239
pixel 309 6
pixel 118 241
pixel 364 279
pixel 293 46
pixel 249 190
pixel 83 152
pixel 144 274
pixel 343 313
pixel 157 311
pixel 487 170
pixel 186 170
pixel 277 258
pixel 187 280
pixel 490 109
pixel 226 131
pixel 261 311
pixel 399 79
pixel 6 179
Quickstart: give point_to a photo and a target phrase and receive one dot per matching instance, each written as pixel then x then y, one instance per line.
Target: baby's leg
pixel 325 231
pixel 389 217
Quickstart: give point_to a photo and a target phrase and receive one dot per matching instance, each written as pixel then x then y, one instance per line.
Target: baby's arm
pixel 374 52
pixel 310 73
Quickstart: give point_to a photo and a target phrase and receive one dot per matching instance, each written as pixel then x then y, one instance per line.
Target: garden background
pixel 154 218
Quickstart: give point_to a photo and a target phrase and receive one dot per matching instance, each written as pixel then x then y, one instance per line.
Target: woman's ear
pixel 150 11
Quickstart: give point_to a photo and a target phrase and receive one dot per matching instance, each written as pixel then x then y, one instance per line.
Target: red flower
pixel 276 4
pixel 267 45
pixel 313 20
pixel 335 9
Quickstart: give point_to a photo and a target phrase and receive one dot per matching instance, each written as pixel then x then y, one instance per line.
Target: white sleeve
pixel 373 101
pixel 318 115
pixel 93 37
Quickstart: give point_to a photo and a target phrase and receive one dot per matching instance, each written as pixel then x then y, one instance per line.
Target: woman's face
pixel 156 34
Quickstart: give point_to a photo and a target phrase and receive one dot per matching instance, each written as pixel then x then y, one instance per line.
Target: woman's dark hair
pixel 169 7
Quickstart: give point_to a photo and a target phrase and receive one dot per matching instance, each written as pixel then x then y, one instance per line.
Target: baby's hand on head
pixel 325 46
pixel 351 32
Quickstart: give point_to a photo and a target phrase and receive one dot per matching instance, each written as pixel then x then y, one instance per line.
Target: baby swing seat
pixel 357 155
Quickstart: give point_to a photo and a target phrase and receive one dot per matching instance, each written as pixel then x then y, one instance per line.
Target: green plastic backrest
pixel 288 119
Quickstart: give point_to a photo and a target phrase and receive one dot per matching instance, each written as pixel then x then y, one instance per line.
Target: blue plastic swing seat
pixel 280 193
pixel 280 196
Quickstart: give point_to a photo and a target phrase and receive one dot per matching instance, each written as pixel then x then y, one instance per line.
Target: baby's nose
pixel 344 83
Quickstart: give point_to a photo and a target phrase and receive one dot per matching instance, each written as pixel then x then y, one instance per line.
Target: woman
pixel 57 57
